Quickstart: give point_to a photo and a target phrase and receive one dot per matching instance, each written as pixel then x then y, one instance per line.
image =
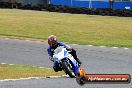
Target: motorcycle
pixel 66 61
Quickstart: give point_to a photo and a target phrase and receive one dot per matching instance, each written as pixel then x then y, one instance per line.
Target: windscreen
pixel 58 49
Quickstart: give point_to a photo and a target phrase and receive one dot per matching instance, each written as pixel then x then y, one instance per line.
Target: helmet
pixel 52 40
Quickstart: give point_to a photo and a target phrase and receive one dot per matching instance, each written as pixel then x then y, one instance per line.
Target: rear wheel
pixel 68 70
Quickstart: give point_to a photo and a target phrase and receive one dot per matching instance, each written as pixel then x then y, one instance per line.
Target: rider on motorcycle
pixel 53 44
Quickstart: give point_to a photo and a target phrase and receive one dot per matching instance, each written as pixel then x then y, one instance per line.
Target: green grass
pixel 72 28
pixel 19 71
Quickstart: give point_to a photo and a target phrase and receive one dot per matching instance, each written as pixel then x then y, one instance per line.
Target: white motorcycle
pixel 66 61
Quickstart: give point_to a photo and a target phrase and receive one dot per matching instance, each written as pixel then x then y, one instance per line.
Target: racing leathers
pixel 51 52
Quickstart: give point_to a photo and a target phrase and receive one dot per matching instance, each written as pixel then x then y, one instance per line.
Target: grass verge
pixel 19 71
pixel 72 28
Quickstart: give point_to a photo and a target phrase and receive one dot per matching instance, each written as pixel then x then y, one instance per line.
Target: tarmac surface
pixel 95 59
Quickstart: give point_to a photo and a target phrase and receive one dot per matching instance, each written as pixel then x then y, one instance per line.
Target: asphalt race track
pixel 96 60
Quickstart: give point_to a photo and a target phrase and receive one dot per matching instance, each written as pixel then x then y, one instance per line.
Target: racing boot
pixel 78 61
pixel 76 58
pixel 73 52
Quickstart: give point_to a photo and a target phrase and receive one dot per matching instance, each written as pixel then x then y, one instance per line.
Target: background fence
pixel 115 4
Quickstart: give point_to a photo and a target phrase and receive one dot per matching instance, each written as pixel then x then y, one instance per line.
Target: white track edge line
pixel 73 44
pixel 28 78
pixel 104 46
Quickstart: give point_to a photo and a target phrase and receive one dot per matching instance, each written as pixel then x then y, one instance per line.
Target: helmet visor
pixel 52 43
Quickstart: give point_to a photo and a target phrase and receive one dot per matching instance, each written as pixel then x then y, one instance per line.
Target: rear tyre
pixel 68 70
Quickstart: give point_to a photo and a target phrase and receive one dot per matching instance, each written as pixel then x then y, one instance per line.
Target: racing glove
pixel 68 48
pixel 51 58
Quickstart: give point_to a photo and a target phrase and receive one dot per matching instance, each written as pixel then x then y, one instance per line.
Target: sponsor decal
pixel 103 78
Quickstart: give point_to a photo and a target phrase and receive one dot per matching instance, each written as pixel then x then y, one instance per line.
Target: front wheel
pixel 68 70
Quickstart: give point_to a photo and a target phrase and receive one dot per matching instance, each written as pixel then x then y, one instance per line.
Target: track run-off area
pixel 95 60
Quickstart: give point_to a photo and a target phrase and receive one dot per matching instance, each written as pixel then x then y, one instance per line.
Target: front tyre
pixel 68 70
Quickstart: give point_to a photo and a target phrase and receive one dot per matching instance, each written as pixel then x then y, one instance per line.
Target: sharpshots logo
pixel 104 78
